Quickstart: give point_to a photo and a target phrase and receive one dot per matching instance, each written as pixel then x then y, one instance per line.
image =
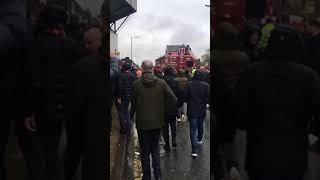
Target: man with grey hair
pixel 151 97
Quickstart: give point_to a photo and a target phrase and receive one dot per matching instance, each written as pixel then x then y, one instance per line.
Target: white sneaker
pixel 194 155
pixel 179 119
pixel 200 142
pixel 185 118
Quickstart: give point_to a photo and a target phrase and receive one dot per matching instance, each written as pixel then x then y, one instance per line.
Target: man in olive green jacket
pixel 151 97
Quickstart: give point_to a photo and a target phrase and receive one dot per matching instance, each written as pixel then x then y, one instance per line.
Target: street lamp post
pixel 131 44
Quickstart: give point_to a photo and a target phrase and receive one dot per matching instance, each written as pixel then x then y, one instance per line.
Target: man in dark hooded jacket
pixel 171 109
pixel 150 116
pixel 276 99
pixel 125 81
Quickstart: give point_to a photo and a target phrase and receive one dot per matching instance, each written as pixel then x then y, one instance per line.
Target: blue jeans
pixel 196 132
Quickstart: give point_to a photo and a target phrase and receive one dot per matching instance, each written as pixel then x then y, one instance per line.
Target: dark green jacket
pixel 149 98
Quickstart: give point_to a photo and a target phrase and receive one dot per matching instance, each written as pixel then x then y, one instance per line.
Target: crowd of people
pixel 159 98
pixel 53 80
pixel 266 84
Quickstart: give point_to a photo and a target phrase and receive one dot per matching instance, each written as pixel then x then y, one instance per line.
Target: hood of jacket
pixel 148 79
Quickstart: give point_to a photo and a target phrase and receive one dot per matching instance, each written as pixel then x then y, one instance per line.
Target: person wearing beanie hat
pixel 49 63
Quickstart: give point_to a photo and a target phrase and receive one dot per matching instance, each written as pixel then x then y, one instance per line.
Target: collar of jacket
pixel 147 72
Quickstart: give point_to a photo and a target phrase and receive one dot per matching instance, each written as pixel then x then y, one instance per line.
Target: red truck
pixel 178 56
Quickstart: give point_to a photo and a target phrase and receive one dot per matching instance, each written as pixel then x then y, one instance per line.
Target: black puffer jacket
pixel 125 82
pixel 197 96
pixel 49 65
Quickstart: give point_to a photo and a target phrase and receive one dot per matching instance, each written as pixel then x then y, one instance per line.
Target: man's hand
pixel 30 123
pixel 119 100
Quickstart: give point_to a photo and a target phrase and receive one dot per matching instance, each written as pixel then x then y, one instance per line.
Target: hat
pixel 53 15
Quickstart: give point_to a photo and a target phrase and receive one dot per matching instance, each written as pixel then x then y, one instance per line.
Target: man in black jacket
pixel 196 95
pixel 276 99
pixel 125 80
pixel 49 64
pixel 170 117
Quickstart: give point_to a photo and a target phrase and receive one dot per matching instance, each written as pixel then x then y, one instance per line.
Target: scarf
pixel 56 31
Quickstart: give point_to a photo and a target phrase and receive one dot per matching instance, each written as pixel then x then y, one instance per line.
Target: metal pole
pixel 131 49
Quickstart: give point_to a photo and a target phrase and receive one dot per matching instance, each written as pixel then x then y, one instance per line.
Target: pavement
pixel 118 152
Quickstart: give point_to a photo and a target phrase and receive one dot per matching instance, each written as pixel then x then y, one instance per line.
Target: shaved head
pixel 147 65
pixel 93 39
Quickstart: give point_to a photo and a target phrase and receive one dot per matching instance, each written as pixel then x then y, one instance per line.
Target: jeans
pixel 124 116
pixel 196 132
pixel 149 144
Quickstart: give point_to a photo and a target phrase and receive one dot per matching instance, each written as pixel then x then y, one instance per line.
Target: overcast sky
pixel 165 22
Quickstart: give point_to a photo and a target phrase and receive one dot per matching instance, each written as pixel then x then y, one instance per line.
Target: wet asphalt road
pixel 178 163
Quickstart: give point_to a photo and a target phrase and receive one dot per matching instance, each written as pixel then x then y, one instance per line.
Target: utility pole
pixel 131 44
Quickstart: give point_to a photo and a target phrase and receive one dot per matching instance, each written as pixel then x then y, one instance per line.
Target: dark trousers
pixel 124 116
pixel 41 152
pixel 74 149
pixel 149 144
pixel 165 131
